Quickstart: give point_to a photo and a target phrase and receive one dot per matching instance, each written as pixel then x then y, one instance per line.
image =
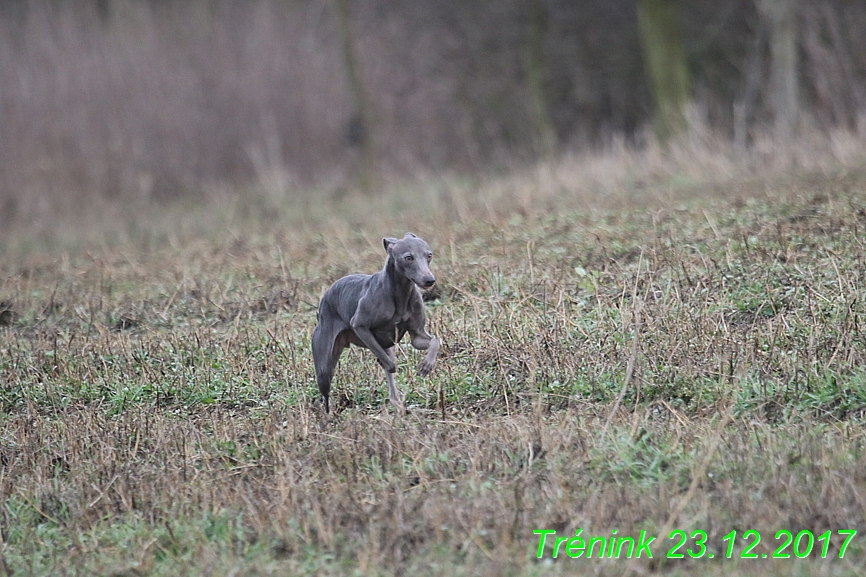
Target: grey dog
pixel 374 312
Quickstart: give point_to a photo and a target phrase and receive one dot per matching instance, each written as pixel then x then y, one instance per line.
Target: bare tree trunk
pixel 665 63
pixel 544 133
pixel 781 15
pixel 360 128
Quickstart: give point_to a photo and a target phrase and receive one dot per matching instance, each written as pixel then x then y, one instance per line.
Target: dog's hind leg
pixel 327 344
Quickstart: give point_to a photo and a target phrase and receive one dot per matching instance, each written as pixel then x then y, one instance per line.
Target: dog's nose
pixel 428 282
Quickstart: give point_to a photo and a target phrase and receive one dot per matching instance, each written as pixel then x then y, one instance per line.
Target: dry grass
pixel 681 354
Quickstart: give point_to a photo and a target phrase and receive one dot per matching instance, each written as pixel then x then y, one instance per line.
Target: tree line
pixel 159 98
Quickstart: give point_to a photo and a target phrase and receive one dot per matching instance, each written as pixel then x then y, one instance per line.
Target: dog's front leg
pixel 393 393
pixel 370 342
pixel 422 341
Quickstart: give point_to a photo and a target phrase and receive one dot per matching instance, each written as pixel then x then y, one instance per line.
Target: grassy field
pixel 666 355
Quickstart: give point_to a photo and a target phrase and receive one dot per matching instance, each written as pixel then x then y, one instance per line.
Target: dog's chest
pixel 399 320
pixel 403 308
pixel 392 318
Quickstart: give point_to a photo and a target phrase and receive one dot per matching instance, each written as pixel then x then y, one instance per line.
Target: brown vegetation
pixel 149 101
pixel 655 362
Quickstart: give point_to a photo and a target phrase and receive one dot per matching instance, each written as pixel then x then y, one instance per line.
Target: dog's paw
pixel 425 367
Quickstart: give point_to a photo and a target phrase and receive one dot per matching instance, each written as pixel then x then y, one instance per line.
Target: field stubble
pixel 689 360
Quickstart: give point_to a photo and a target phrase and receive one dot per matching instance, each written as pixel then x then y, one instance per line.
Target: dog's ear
pixel 387 242
pixel 410 235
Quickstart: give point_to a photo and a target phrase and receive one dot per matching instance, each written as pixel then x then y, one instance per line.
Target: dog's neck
pixel 403 286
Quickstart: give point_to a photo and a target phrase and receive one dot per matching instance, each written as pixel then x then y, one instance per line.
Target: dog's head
pixel 411 257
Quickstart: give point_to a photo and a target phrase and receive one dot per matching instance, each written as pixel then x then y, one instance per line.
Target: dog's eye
pixel 409 258
pixel 429 256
